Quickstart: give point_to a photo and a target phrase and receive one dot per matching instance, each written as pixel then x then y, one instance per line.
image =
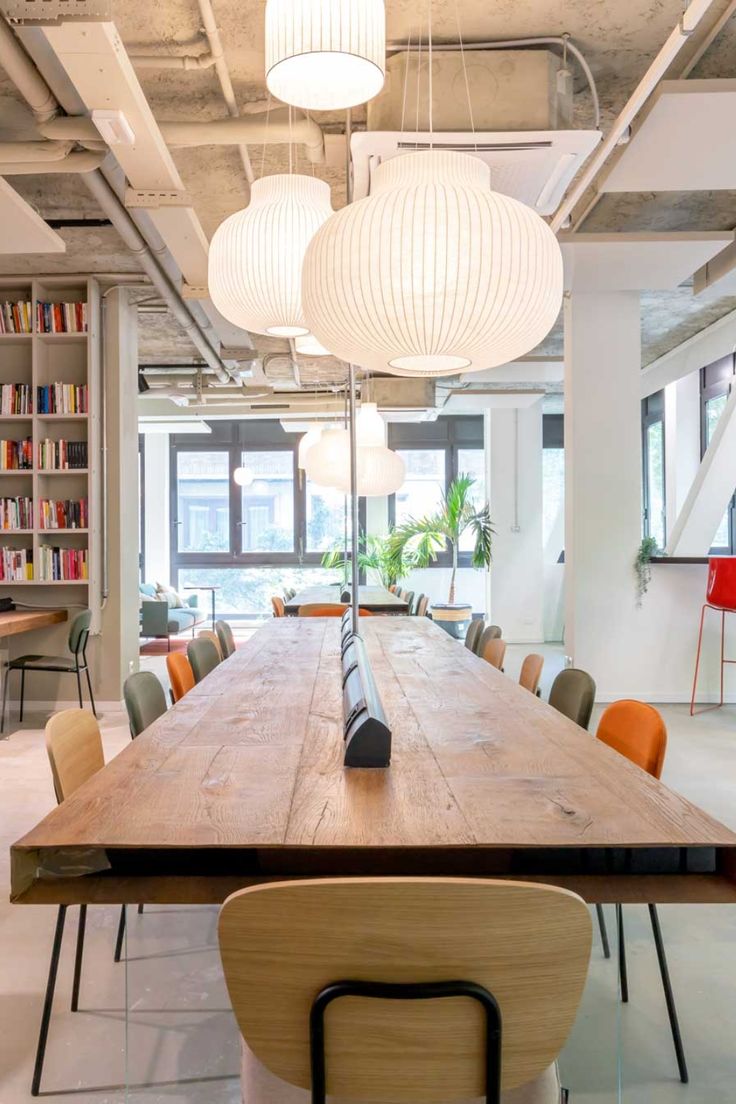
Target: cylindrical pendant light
pixel 323 55
pixel 256 255
pixel 432 274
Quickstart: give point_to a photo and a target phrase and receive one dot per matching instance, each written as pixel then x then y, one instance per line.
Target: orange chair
pixel 279 609
pixel 181 675
pixel 720 595
pixel 636 730
pixel 494 652
pixel 328 609
pixel 531 672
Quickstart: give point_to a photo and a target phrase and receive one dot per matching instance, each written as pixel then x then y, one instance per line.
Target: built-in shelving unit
pixel 42 360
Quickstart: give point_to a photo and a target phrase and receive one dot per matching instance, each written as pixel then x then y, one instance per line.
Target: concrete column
pixel 119 651
pixel 602 479
pixel 517 572
pixel 157 529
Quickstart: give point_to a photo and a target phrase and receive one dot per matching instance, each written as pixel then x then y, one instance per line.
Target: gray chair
pixel 490 632
pixel 408 597
pixel 202 655
pixel 473 635
pixel 145 700
pixel 226 638
pixel 573 694
pixel 74 664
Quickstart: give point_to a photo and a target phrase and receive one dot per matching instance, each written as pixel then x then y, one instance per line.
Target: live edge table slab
pixel 242 781
pixel 374 598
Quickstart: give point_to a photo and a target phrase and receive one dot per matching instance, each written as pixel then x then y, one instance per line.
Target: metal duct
pixel 85 161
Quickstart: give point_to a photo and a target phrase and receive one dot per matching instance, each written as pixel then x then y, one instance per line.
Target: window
pixel 326 518
pixel 715 385
pixel 653 469
pixel 553 485
pixel 203 501
pixel 471 461
pixel 267 501
pixel 424 484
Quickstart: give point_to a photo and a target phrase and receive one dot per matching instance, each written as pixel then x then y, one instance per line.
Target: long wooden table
pixel 243 781
pixel 374 598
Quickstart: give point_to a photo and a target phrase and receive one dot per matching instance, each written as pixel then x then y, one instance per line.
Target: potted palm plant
pixel 373 555
pixel 419 541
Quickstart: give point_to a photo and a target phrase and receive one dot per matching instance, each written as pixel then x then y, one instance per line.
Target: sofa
pixel 161 619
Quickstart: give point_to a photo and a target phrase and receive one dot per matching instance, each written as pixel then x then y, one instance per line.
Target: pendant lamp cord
pixel 291 167
pixel 419 89
pixel 265 134
pixel 429 37
pixel 465 77
pixel 406 82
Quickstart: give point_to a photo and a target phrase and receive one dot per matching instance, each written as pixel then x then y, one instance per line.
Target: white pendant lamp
pixel 327 457
pixel 256 255
pixel 370 428
pixel 243 477
pixel 310 438
pixel 433 274
pixel 380 471
pixel 323 55
pixel 308 345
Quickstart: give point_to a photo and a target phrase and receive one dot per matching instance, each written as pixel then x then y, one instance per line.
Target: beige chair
pixel 490 632
pixel 494 652
pixel 208 634
pixel 226 638
pixel 74 747
pixel 531 672
pixel 509 947
pixel 473 635
pixel 422 605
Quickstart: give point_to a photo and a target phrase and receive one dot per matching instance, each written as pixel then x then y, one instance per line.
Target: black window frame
pixel 449 434
pixel 652 413
pixel 717 379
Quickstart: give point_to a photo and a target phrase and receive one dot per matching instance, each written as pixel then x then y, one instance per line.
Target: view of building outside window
pixel 655 482
pixel 268 502
pixel 247 591
pixel 203 501
pixel 424 485
pixel 472 462
pixel 326 518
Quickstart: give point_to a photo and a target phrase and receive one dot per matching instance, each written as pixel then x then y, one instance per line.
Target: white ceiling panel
pixel 21 229
pixel 637 262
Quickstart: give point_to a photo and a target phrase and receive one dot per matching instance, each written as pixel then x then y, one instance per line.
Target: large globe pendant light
pixel 310 438
pixel 307 345
pixel 256 255
pixel 379 470
pixel 432 274
pixel 325 459
pixel 322 55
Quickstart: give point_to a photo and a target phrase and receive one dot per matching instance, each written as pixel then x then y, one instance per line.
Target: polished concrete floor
pixel 160 1024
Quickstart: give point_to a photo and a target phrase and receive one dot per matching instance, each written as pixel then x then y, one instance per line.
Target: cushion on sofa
pixel 148 590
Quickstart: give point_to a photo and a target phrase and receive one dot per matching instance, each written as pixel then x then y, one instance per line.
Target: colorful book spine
pixel 62 564
pixel 16 565
pixel 16 455
pixel 62 455
pixel 15 398
pixel 63 514
pixel 61 317
pixel 62 398
pixel 16 317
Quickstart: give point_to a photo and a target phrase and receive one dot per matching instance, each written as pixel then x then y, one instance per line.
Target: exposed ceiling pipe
pixel 223 75
pixel 34 151
pixel 669 51
pixel 83 162
pixel 25 76
pixel 173 61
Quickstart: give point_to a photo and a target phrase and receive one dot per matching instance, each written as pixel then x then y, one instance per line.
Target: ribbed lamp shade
pixel 325 54
pixel 308 345
pixel 370 428
pixel 326 459
pixel 310 438
pixel 256 255
pixel 381 471
pixel 432 274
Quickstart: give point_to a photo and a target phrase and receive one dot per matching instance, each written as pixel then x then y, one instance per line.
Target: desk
pixel 374 598
pixel 20 621
pixel 242 781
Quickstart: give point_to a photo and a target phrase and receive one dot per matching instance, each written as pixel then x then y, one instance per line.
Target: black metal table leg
pixel 22 691
pixel 78 957
pixel 622 971
pixel 603 930
pixel 48 1001
pixel 91 695
pixel 121 933
pixel 6 676
pixel 668 994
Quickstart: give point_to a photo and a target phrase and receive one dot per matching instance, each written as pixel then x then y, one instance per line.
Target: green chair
pixel 408 597
pixel 145 700
pixel 490 632
pixel 74 664
pixel 226 638
pixel 573 694
pixel 202 655
pixel 473 635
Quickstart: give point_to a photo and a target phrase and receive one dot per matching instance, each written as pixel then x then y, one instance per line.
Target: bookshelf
pixel 40 360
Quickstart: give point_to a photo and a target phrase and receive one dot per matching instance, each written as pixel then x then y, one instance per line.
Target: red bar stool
pixel 720 595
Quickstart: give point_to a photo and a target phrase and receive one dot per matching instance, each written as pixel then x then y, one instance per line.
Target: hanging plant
pixel 643 567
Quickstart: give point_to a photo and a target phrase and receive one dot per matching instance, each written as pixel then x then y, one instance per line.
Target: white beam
pixel 637 262
pixel 712 343
pixel 710 492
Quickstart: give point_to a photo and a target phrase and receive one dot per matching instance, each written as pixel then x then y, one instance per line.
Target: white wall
pixel 157 530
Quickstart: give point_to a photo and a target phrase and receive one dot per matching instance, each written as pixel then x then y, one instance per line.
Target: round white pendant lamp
pixel 433 274
pixel 370 428
pixel 323 55
pixel 310 438
pixel 256 255
pixel 325 462
pixel 308 345
pixel 243 477
pixel 380 471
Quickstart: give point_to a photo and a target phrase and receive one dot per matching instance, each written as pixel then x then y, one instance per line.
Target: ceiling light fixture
pixel 310 438
pixel 308 345
pixel 256 255
pixel 433 274
pixel 322 55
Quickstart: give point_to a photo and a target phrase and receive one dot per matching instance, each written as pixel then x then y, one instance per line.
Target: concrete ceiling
pixel 619 41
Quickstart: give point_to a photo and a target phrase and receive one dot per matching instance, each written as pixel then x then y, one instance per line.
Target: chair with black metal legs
pixel 75 753
pixel 74 664
pixel 637 731
pixel 291 951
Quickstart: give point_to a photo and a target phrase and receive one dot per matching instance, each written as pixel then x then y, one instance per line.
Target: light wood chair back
pixel 531 672
pixel 493 652
pixel 473 634
pixel 181 675
pixel 279 610
pixel 490 632
pixel 328 609
pixel 226 638
pixel 636 730
pixel 208 634
pixel 422 605
pixel 74 747
pixel 282 943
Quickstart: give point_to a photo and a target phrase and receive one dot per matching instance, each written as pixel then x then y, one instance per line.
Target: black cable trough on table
pixel 366 731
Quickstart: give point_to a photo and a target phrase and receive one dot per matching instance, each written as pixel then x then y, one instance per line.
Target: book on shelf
pixel 62 398
pixel 16 455
pixel 61 317
pixel 62 564
pixel 63 513
pixel 15 398
pixel 16 565
pixel 16 317
pixel 16 512
pixel 61 455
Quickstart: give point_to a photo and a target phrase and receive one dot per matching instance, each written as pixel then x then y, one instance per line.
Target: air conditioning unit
pixel 396 395
pixel 522 106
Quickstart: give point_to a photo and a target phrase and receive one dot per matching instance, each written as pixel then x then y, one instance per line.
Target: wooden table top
pixel 250 761
pixel 19 621
pixel 374 598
